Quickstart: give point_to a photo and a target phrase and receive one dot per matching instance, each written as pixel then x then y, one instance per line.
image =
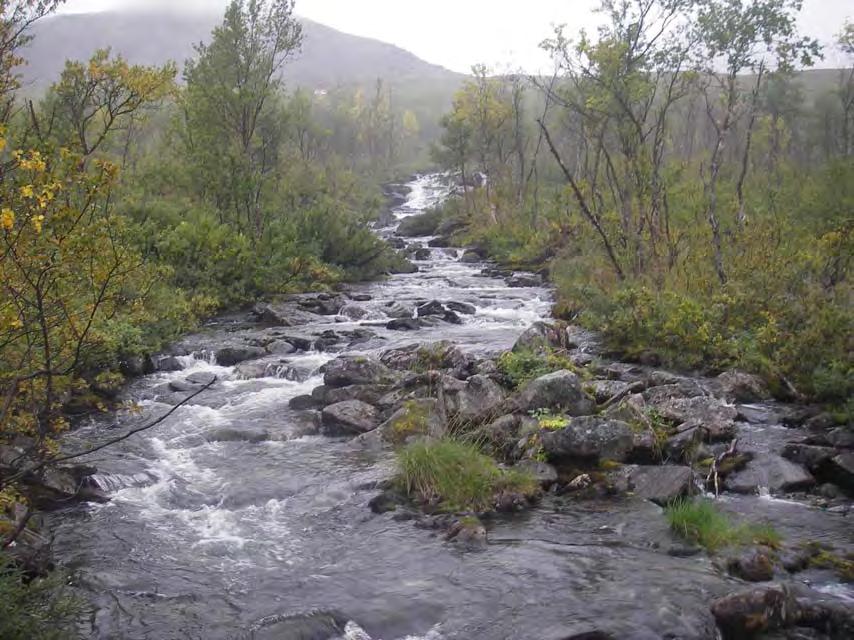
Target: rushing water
pixel 227 515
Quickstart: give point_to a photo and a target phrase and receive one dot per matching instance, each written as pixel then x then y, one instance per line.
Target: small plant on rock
pixel 702 523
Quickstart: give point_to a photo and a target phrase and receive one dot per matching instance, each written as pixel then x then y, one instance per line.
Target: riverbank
pixel 252 506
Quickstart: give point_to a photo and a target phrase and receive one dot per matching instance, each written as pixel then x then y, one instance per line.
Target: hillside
pixel 329 58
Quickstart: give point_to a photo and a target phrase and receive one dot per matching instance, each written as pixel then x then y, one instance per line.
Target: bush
pixel 518 367
pixel 701 522
pixel 456 476
pixel 41 609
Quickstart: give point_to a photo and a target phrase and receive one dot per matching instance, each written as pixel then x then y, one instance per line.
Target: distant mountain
pixel 329 58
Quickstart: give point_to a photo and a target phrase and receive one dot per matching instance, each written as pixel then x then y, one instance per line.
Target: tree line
pixel 688 193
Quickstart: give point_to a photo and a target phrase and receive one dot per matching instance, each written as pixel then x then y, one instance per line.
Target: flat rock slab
pixel 661 484
pixel 772 472
pixel 351 417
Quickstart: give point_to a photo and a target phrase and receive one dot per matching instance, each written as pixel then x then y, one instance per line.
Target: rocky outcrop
pixel 589 438
pixel 356 370
pixel 230 356
pixel 559 391
pixel 771 472
pixel 348 418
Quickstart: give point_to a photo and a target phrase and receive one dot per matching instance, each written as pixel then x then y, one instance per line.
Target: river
pixel 230 516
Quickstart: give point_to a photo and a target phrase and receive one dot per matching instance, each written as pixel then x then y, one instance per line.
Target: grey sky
pixel 459 33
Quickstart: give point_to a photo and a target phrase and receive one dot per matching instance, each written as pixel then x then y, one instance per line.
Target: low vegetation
pixel 39 608
pixel 519 367
pixel 456 476
pixel 702 522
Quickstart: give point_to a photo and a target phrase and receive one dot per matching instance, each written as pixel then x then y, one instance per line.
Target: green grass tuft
pixel 519 367
pixel 701 522
pixel 455 476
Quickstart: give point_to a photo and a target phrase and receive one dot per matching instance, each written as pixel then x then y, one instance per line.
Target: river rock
pixel 416 418
pixel 542 472
pixel 540 336
pixel 470 256
pixel 478 400
pixel 660 484
pixel 681 388
pixel 468 531
pixel 230 356
pixel 354 312
pixel 841 438
pixel 348 418
pixel 560 390
pixel 440 242
pixel 589 438
pixel 317 625
pixel 749 613
pixel 714 417
pixel 461 307
pixel 168 364
pixel 771 472
pixel 812 457
pixel 369 393
pixel 303 403
pixel 432 308
pixel 226 434
pixel 420 225
pixel 738 386
pixel 267 315
pixel 355 370
pixel 421 254
pixel 524 280
pixel 841 470
pixel 752 566
pixel 404 324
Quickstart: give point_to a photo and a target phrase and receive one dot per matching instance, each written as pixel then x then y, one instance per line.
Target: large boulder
pixel 769 471
pixel 713 416
pixel 738 386
pixel 348 418
pixel 479 399
pixel 524 280
pixel 416 418
pixel 404 324
pixel 432 308
pixel 441 356
pixel 660 484
pixel 354 370
pixel 461 307
pixel 750 613
pixel 841 470
pixel 540 336
pixel 559 391
pixel 470 256
pixel 420 225
pixel 589 438
pixel 369 393
pixel 230 356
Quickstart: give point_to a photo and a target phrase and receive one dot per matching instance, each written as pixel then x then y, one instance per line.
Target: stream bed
pixel 232 516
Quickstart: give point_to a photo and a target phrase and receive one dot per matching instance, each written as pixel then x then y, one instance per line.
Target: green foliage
pixel 701 522
pixel 548 420
pixel 519 367
pixel 455 476
pixel 40 608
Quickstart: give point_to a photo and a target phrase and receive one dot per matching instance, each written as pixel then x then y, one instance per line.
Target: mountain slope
pixel 328 58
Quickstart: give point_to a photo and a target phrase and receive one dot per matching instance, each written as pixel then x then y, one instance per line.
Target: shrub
pixel 701 522
pixel 41 608
pixel 456 476
pixel 518 367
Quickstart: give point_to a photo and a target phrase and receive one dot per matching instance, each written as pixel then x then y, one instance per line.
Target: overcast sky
pixel 456 34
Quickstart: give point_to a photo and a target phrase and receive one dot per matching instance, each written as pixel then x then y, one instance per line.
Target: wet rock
pixel 267 315
pixel 354 370
pixel 812 457
pixel 682 388
pixel 324 304
pixel 467 531
pixel 452 318
pixel 524 280
pixel 560 390
pixel 449 226
pixel 470 257
pixel 604 390
pixel 300 343
pixel 841 470
pixel 403 266
pixel 715 418
pixel 317 625
pixel 192 383
pixel 225 434
pixel 478 400
pixel 421 254
pixel 354 312
pixel 542 472
pixel 303 403
pixel 660 484
pixel 772 472
pixel 738 386
pixel 347 418
pixel 404 324
pixel 432 308
pixel 753 566
pixel 51 487
pixel 383 503
pixel 749 613
pixel 841 438
pixel 369 393
pixel 589 438
pixel 461 307
pixel 136 366
pixel 441 242
pixel 168 364
pixel 230 356
pixel 540 336
pixel 416 418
